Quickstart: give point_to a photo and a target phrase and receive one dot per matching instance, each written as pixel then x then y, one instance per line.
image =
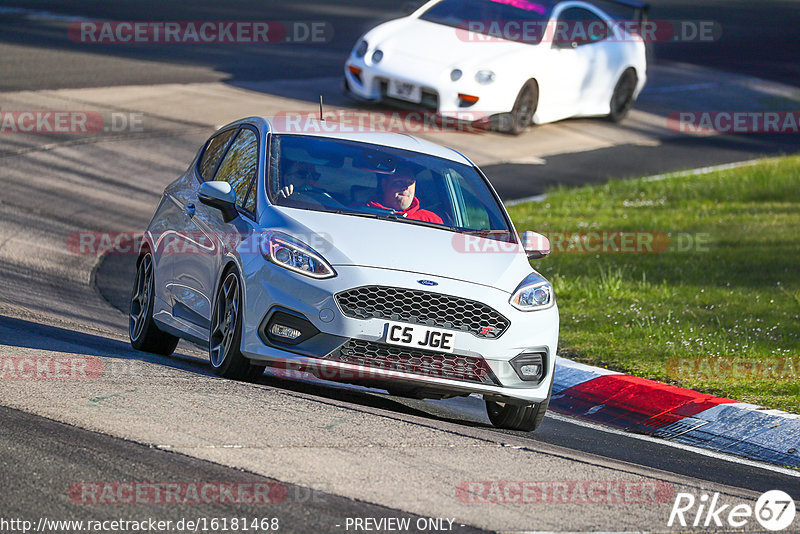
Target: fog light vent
pixel 284 331
pixel 531 370
pixel 284 327
pixel 529 366
pixel 356 72
pixel 466 101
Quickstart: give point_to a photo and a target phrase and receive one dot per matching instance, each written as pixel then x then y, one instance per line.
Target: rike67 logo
pixel 774 511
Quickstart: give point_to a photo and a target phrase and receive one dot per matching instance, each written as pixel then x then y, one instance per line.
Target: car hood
pixel 360 241
pixel 433 43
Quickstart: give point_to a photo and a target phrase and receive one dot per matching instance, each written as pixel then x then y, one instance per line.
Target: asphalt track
pixel 339 452
pixel 48 473
pixel 757 39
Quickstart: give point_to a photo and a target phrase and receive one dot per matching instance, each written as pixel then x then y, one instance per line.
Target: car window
pixel 581 26
pixel 239 167
pixel 215 149
pixel 516 20
pixel 355 178
pixel 471 208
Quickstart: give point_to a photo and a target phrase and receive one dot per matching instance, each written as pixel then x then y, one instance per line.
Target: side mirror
pixel 536 246
pixel 219 195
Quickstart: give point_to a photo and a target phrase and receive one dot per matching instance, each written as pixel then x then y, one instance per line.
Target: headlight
pixel 291 254
pixel 456 75
pixel 361 49
pixel 534 293
pixel 377 56
pixel 485 77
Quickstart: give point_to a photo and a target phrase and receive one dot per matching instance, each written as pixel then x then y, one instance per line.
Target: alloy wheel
pixel 140 299
pixel 223 321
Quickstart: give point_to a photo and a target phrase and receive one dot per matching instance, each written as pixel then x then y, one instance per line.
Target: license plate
pixel 420 337
pixel 405 91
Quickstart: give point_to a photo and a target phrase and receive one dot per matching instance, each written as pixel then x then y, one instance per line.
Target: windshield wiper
pixel 368 214
pixel 484 233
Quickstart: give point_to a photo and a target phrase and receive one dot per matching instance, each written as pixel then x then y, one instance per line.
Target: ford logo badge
pixel 428 282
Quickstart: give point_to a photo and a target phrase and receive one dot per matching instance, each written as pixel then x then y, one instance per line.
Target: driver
pixel 397 192
pixel 300 174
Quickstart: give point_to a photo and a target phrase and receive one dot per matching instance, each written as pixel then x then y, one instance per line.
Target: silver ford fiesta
pixel 370 258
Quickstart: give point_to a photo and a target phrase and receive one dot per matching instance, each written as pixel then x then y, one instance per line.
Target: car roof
pixel 547 5
pixel 389 139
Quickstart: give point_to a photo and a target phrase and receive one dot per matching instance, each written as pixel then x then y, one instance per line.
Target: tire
pixel 622 98
pixel 512 417
pixel 225 335
pixel 521 115
pixel 142 330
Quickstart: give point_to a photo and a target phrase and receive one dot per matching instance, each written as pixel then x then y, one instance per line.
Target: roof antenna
pixel 320 109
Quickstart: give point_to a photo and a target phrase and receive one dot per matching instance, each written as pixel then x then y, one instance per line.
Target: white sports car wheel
pixel 622 99
pixel 521 115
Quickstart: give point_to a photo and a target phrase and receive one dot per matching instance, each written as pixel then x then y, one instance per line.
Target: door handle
pixel 190 209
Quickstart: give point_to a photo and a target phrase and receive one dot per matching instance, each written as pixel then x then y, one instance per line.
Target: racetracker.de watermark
pixel 172 243
pixel 734 367
pixel 50 367
pixel 348 365
pixel 177 493
pixel 589 31
pixel 69 122
pixel 561 242
pixel 395 121
pixel 564 492
pixel 591 242
pixel 734 122
pixel 200 32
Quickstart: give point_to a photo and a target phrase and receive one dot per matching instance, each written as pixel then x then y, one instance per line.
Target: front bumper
pixel 353 350
pixel 440 95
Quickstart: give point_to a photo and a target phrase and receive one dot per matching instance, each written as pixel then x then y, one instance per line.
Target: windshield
pixel 515 20
pixel 362 179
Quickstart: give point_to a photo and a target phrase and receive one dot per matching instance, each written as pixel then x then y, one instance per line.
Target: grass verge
pixel 694 280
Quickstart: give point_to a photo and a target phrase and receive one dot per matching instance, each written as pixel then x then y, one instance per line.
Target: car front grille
pixel 422 307
pixel 426 363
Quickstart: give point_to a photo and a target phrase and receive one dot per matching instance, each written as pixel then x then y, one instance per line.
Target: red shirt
pixel 412 212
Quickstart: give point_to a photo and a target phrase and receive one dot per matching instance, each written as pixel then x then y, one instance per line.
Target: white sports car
pixel 379 259
pixel 506 62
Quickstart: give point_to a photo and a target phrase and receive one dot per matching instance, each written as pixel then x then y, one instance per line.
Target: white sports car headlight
pixel 294 255
pixel 361 49
pixel 485 77
pixel 534 293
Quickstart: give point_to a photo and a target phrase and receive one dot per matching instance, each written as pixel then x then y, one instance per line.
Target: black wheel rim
pixel 522 115
pixel 623 96
pixel 223 321
pixel 140 299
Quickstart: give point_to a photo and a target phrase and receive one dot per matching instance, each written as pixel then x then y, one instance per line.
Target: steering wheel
pixel 318 195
